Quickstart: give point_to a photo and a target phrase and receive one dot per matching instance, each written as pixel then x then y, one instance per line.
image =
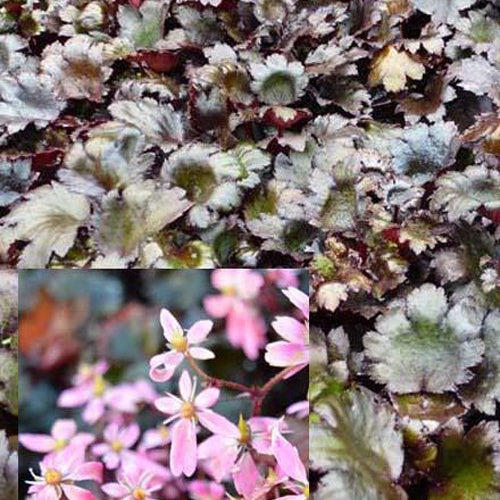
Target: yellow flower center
pixel 228 290
pixel 99 385
pixel 306 491
pixel 179 342
pixel 244 431
pixel 188 410
pixel 116 446
pixel 163 431
pixel 85 369
pixel 60 444
pixel 53 477
pixel 139 494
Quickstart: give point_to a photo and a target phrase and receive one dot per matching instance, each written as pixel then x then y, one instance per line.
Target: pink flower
pixel 294 350
pixel 245 327
pixel 206 490
pixel 221 451
pixel 63 433
pixel 128 397
pixel 89 390
pixel 162 366
pixel 283 277
pixel 299 299
pixel 133 483
pixel 154 438
pixel 261 432
pixel 188 410
pixel 119 440
pixel 59 471
pixel 299 409
pixel 289 462
pixel 247 479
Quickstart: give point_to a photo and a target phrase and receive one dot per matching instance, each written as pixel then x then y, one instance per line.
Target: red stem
pixel 257 394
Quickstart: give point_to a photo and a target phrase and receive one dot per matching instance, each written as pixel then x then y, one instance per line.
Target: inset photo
pixel 156 385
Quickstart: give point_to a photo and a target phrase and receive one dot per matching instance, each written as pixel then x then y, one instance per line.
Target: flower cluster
pixel 195 449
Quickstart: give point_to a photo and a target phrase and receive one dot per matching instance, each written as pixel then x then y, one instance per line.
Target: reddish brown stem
pixel 257 394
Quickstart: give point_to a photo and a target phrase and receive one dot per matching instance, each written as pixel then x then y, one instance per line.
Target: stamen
pixel 116 446
pixel 52 477
pixel 188 410
pixel 139 494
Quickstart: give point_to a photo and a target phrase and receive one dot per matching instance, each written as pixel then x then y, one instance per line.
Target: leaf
pixel 77 69
pixel 128 218
pixel 392 68
pixel 49 220
pixel 444 11
pixel 111 157
pixel 159 122
pixel 15 178
pixel 484 390
pixel 426 344
pixel 26 99
pixel 242 164
pixel 357 447
pixel 477 75
pixel 48 331
pixel 459 193
pixel 143 27
pixel 467 465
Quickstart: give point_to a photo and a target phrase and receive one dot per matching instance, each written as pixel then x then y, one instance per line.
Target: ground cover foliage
pixel 357 138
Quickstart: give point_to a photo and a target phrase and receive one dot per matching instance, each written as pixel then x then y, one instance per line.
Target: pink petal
pixel 45 493
pixel 83 439
pixel 298 299
pixel 76 396
pixel 218 306
pixel 246 329
pixel 111 432
pixel 68 459
pixel 300 409
pixel 183 449
pixel 37 442
pixel 77 493
pixel 254 281
pixel 207 398
pixel 219 456
pixel 223 278
pixel 169 324
pixel 168 405
pixel 185 386
pixel 64 429
pixel 290 329
pixel 283 353
pixel 246 477
pixel 201 353
pixel 162 366
pixel 199 331
pixel 287 457
pixel 115 490
pixel 88 471
pixel 93 411
pixel 129 435
pixel 217 423
pixel 100 449
pixel 111 460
